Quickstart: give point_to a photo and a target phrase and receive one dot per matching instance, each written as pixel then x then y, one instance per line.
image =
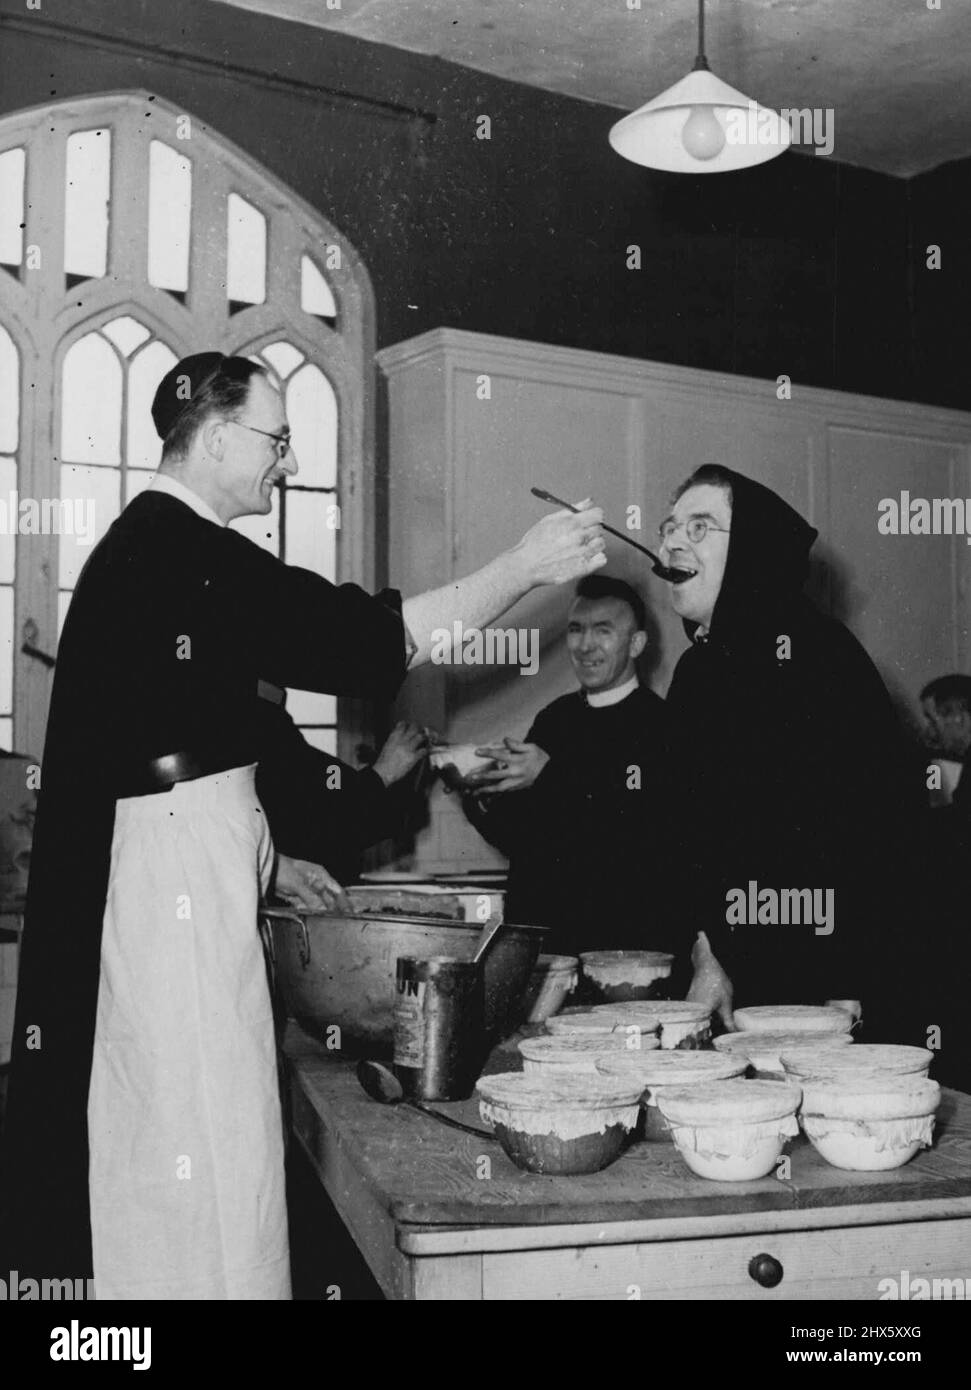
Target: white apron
pixel 186 1145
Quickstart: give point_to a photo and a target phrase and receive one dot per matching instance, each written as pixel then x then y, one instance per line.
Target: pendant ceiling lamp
pixel 701 125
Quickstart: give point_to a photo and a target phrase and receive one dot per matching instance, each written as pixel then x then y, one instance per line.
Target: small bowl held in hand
pixel 455 761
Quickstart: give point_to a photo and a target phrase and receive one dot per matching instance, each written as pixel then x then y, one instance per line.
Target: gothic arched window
pixel 131 235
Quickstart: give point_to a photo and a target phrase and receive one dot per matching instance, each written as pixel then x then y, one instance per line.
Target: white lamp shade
pixel 652 135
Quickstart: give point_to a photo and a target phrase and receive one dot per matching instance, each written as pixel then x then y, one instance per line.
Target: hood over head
pixel 767 563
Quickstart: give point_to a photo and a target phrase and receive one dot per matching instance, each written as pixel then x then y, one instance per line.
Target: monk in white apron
pixel 152 1106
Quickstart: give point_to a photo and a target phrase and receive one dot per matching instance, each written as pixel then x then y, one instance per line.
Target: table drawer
pixel 839 1263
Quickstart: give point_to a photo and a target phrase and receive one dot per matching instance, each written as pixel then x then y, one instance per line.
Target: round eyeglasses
pixel 696 529
pixel 282 441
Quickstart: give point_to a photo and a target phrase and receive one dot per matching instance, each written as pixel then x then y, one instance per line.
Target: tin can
pixel 438 1027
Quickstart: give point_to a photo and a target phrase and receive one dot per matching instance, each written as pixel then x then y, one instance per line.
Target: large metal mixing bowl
pixel 341 970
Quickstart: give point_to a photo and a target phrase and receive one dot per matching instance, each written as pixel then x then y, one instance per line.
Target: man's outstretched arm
pixel 563 546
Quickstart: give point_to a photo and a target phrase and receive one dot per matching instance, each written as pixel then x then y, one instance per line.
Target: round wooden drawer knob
pixel 765 1270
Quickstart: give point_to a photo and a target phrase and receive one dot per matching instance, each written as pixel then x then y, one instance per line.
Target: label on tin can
pixel 409 1023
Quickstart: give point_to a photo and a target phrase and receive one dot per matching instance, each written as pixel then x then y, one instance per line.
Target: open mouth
pixel 676 575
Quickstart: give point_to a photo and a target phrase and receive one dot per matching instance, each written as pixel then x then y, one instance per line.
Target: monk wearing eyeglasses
pixel 143 1142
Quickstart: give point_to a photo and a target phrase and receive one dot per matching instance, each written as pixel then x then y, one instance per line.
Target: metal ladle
pixel 485 940
pixel 665 572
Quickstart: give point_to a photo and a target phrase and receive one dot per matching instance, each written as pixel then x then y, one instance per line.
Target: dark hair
pixel 223 392
pixel 711 473
pixel 597 586
pixel 949 693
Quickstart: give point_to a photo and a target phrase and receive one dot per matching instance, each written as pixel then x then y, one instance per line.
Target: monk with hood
pixel 791 769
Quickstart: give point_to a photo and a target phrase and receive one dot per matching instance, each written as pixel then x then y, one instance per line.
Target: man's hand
pixel 710 985
pixel 517 767
pixel 563 546
pixel 308 887
pixel 404 747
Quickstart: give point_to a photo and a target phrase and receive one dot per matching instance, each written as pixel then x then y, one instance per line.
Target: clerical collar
pixel 164 482
pixel 598 699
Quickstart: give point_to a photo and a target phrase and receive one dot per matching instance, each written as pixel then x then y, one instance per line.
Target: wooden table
pixel 438 1214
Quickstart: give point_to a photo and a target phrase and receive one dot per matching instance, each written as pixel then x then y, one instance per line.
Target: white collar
pixel 164 482
pixel 600 698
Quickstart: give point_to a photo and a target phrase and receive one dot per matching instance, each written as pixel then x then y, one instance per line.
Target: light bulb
pixel 702 136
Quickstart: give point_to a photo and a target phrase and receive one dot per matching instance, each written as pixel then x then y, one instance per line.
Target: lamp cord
pixel 701 62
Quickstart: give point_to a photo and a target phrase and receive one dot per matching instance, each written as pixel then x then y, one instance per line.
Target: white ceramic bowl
pixel 870 1124
pixel 808 1063
pixel 618 976
pixel 731 1131
pixel 681 1024
pixel 793 1018
pixel 660 1071
pixel 461 756
pixel 568 1054
pixel 570 1124
pixel 552 980
pixel 764 1050
pixel 591 1023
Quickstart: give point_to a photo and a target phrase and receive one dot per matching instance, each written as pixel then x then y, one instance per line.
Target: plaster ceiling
pixel 896 74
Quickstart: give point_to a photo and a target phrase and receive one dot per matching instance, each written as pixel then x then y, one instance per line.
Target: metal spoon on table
pixel 382 1085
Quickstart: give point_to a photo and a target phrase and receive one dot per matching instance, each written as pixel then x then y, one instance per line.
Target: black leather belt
pixel 161 774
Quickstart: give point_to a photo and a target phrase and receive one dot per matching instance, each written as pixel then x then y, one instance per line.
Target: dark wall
pixel 798 267
pixel 942 298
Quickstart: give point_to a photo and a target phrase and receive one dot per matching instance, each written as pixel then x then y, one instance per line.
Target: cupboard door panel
pixel 900 594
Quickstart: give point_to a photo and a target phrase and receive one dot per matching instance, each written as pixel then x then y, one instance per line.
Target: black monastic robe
pixel 793 773
pixel 173 623
pixel 319 808
pixel 586 843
